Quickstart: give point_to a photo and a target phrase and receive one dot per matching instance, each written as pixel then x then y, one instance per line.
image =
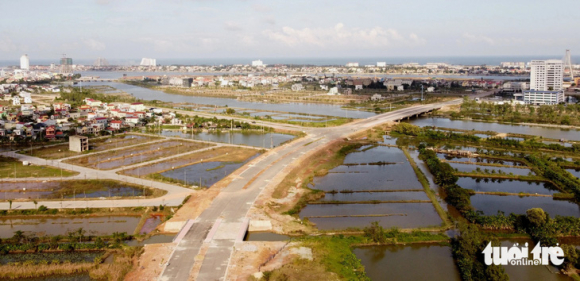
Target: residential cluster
pixel 60 119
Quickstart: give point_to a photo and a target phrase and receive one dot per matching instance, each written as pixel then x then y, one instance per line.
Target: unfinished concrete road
pixel 224 223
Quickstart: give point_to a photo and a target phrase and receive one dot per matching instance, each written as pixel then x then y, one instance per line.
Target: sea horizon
pixel 325 61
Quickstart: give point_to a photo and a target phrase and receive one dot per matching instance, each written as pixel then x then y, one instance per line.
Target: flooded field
pixel 341 216
pixel 245 138
pixel 207 173
pixel 369 175
pixel 484 160
pixel 105 225
pixel 491 204
pixel 546 132
pixel 469 167
pixel 399 262
pixel 505 185
pixel 225 154
pixel 69 189
pixel 138 154
pixel 379 196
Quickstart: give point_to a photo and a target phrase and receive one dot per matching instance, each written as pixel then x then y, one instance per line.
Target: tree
pixel 537 217
pixel 10 202
pixel 230 111
pixel 35 203
pixel 375 232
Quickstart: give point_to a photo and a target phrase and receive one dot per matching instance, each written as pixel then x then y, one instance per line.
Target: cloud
pixel 471 38
pixel 269 20
pixel 94 44
pixel 261 8
pixel 232 26
pixel 103 2
pixel 342 36
pixel 7 45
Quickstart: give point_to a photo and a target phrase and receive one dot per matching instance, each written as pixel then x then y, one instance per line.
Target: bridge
pixel 211 238
pixel 94 79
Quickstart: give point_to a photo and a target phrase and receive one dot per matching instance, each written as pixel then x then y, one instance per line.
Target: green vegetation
pixel 75 96
pixel 333 254
pixel 467 250
pixel 427 188
pixel 545 114
pixel 13 168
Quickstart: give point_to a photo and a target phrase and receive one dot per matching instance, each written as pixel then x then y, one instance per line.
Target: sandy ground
pixel 248 257
pixel 151 262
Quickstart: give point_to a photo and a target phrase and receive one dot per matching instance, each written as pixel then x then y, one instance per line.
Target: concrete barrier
pixel 173 226
pixel 260 225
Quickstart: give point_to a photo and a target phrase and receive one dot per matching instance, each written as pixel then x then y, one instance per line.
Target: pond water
pixel 546 132
pixel 150 224
pixel 410 262
pixel 451 157
pixel 403 215
pixel 369 177
pixel 155 239
pixel 380 196
pixel 265 236
pixel 61 226
pixel 504 185
pixel 467 168
pixel 308 108
pixel 574 172
pixel 246 138
pixel 491 204
pixel 208 173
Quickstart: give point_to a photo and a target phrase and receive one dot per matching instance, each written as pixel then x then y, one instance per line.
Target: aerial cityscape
pixel 275 140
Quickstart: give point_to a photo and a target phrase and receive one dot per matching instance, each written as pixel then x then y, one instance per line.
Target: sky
pixel 116 29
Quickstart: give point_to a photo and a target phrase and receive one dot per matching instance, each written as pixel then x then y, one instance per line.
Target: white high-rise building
pixel 148 62
pixel 546 75
pixel 546 81
pixel 24 62
pixel 257 63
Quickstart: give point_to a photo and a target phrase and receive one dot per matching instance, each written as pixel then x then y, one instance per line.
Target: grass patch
pixel 13 168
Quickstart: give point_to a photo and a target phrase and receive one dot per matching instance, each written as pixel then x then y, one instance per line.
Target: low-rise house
pixel 116 124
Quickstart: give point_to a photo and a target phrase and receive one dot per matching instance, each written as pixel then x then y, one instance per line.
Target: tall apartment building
pixel 546 81
pixel 546 75
pixel 24 62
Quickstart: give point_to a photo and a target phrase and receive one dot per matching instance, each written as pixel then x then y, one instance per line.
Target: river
pixel 546 132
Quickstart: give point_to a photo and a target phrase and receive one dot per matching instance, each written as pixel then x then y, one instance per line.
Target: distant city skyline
pixel 261 29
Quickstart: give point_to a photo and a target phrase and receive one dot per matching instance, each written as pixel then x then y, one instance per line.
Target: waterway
pixel 546 132
pixel 307 108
